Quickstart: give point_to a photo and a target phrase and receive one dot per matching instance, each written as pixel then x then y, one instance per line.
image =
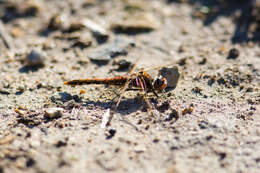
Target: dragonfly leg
pixel 145 98
pixel 155 93
pixel 149 106
pixel 116 95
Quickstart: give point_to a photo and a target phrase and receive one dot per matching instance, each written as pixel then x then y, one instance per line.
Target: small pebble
pixel 188 110
pixel 57 22
pixel 35 58
pixel 103 54
pixel 140 149
pixel 53 113
pixel 82 44
pixel 122 65
pixel 17 32
pixel 156 140
pixel 173 115
pixel 163 107
pixel 110 133
pixel 82 91
pixel 4 92
pixel 61 144
pixel 233 53
pixel 61 97
pixel 35 143
pixel 30 8
pixel 136 24
pixel 203 61
pixel 7 139
pixel 98 31
pixel 75 26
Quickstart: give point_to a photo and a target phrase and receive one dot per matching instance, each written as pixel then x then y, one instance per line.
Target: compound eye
pixel 160 83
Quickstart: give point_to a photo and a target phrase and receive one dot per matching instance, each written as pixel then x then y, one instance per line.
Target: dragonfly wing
pixel 127 82
pixel 159 67
pixel 134 67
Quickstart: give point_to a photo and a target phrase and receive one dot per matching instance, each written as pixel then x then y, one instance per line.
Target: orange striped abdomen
pixel 120 80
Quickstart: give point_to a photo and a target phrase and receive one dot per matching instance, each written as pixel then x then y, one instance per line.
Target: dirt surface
pixel 208 123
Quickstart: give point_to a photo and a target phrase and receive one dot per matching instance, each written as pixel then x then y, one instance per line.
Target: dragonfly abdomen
pixel 120 80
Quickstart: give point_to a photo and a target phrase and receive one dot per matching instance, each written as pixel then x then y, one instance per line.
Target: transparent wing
pixel 127 83
pixel 159 67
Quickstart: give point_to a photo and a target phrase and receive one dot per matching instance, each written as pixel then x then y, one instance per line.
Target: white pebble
pixel 53 112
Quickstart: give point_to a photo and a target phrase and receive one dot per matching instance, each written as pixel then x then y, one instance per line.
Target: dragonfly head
pixel 160 83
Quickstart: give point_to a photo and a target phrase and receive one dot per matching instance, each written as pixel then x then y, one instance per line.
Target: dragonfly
pixel 140 81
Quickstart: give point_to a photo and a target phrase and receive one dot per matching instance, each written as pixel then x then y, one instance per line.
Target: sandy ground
pixel 209 123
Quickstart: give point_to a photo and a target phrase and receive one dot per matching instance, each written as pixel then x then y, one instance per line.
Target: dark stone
pixel 173 115
pixel 30 162
pixel 233 53
pixel 60 144
pixel 111 133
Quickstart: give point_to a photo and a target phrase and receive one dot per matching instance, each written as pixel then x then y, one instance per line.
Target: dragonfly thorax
pixel 143 80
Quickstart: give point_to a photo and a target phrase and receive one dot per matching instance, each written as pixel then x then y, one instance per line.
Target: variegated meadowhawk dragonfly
pixel 140 80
